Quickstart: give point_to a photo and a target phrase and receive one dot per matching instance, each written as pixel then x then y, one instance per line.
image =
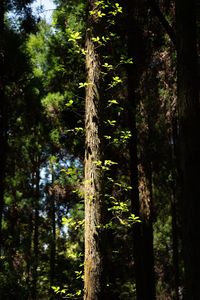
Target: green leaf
pixel 111 102
pixel 70 103
pixel 111 122
pixel 134 219
pixel 107 137
pixel 100 14
pixel 74 36
pixel 110 163
pixel 107 66
pixel 78 293
pixel 83 84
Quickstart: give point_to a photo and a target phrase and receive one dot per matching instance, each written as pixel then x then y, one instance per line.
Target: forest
pixel 99 150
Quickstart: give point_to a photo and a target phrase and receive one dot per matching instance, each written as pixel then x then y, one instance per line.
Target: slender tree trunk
pixel 135 202
pixel 189 127
pixel 175 195
pixel 175 244
pixel 94 193
pixel 29 253
pixel 36 233
pixel 142 232
pixel 3 118
pixel 146 213
pixel 53 235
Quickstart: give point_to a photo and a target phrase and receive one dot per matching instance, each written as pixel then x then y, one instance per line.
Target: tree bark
pixel 94 193
pixel 146 215
pixel 175 244
pixel 189 126
pixel 3 120
pixel 135 201
pixel 53 234
pixel 36 233
pixel 29 253
pixel 142 207
pixel 142 232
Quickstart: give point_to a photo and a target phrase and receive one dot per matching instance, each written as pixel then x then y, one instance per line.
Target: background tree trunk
pixel 53 197
pixel 36 233
pixel 146 215
pixel 142 232
pixel 3 122
pixel 175 243
pixel 189 126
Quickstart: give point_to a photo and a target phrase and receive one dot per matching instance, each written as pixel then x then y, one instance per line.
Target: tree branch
pixel 163 21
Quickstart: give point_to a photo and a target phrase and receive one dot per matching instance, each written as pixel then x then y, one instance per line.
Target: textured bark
pixel 189 126
pixel 2 119
pixel 93 174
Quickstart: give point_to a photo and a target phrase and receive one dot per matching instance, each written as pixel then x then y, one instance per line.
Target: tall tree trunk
pixel 142 232
pixel 94 193
pixel 53 234
pixel 137 227
pixel 146 214
pixel 36 233
pixel 29 252
pixel 175 244
pixel 175 195
pixel 135 202
pixel 189 127
pixel 3 118
pixel 142 207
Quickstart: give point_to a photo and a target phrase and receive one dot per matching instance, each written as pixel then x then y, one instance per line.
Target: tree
pixel 189 124
pixel 5 6
pixel 94 185
pixel 3 119
pixel 140 161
